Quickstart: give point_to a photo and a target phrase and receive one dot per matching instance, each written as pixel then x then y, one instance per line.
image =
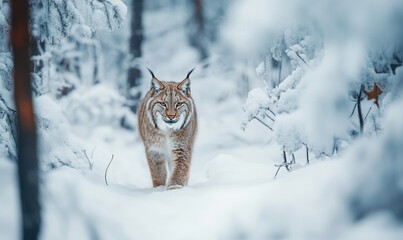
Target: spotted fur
pixel 167 123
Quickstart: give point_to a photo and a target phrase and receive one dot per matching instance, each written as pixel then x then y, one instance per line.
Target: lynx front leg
pixel 180 170
pixel 156 163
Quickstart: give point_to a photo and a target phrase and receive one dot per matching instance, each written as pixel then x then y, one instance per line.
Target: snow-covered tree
pixel 61 29
pixel 277 105
pixel 7 110
pixel 65 57
pixel 286 106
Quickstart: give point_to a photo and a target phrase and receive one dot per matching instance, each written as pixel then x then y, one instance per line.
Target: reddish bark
pixel 26 131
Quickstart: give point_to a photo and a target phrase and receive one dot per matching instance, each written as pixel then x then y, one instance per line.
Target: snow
pixel 9 217
pixel 231 193
pixel 351 189
pixel 256 101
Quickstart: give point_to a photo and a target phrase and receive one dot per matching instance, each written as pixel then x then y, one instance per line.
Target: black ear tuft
pixel 156 85
pixel 190 72
pixel 151 72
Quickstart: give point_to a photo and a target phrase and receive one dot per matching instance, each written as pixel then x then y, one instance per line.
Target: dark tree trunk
pixel 197 35
pixel 28 175
pixel 136 39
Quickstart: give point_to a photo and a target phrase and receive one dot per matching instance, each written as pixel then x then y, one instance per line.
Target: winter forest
pixel 299 119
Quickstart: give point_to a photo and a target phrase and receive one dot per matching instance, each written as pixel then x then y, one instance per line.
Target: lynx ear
pixel 184 86
pixel 156 84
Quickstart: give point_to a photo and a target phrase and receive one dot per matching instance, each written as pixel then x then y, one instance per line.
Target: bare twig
pixel 12 127
pixel 361 120
pixel 92 152
pixel 91 164
pixel 269 117
pixel 352 112
pixel 285 161
pixel 284 164
pixel 107 16
pixel 307 154
pixel 367 113
pixel 293 158
pixel 5 104
pixel 302 59
pixel 106 170
pixel 263 123
pixel 62 20
pixel 271 111
pixel 278 169
pixel 279 69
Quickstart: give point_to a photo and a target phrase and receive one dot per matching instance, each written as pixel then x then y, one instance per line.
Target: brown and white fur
pixel 167 123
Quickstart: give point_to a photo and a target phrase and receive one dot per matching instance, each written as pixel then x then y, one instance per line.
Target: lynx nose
pixel 170 116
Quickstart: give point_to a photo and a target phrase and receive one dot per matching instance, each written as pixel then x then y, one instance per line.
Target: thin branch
pixel 302 60
pixel 92 152
pixel 285 161
pixel 106 170
pixel 278 169
pixel 12 127
pixel 5 104
pixel 9 117
pixel 284 164
pixel 263 123
pixel 367 113
pixel 307 154
pixel 352 112
pixel 361 120
pixel 107 16
pixel 62 20
pixel 269 117
pixel 89 162
pixel 271 111
pixel 279 69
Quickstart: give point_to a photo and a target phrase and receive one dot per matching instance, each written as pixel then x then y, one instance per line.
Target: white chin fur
pixel 169 126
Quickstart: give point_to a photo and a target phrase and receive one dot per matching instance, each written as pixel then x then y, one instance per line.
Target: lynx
pixel 167 124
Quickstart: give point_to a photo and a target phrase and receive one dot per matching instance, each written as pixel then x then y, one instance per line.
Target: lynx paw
pixel 172 187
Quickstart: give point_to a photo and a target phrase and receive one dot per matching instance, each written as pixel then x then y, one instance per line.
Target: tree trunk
pixel 28 175
pixel 136 39
pixel 197 34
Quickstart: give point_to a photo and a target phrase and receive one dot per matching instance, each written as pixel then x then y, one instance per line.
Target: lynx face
pixel 170 106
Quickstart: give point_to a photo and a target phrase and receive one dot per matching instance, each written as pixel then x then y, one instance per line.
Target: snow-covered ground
pixel 231 194
pixel 231 178
pixel 230 168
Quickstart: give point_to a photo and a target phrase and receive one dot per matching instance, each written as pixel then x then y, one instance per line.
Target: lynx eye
pixel 179 104
pixel 163 104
